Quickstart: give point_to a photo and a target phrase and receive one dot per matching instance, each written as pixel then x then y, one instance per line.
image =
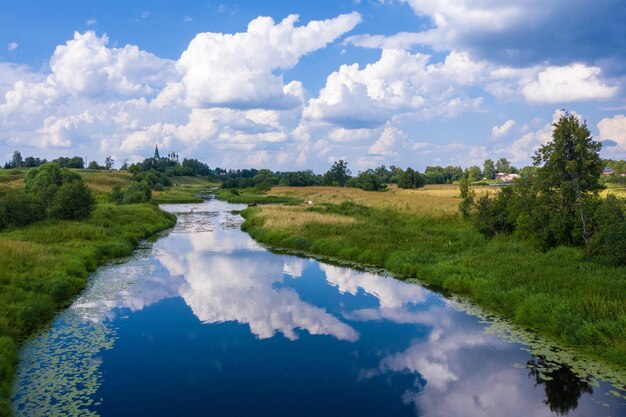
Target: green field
pixel 253 196
pixel 184 190
pixel 417 233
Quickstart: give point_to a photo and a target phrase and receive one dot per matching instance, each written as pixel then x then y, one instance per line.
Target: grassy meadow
pixel 418 233
pixel 184 190
pixel 254 196
pixel 43 266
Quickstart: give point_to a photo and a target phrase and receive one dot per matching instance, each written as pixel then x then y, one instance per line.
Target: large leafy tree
pixel 489 169
pixel 411 179
pixel 571 167
pixel 503 165
pixel 338 174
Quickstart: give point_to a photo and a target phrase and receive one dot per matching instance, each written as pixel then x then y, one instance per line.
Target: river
pixel 205 321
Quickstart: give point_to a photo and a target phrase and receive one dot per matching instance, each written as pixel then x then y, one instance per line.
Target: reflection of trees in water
pixel 563 388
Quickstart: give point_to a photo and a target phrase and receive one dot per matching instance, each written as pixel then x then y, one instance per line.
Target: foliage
pixel 75 162
pixel 72 201
pixel 489 169
pixel 137 192
pixel 411 179
pixel 608 242
pixel 95 165
pixel 467 198
pixel 474 173
pixel 367 181
pixel 49 191
pixel 441 175
pixel 337 175
pixel 152 178
pixel 116 195
pixel 503 165
pixel 558 203
pixel 18 208
pixel 109 163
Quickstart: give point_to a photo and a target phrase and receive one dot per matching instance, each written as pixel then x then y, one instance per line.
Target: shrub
pixel 72 201
pixel 17 208
pixel 608 241
pixel 137 192
pixel 116 195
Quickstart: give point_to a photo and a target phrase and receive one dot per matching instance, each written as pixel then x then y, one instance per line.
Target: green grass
pixel 251 196
pixel 184 190
pixel 558 293
pixel 45 265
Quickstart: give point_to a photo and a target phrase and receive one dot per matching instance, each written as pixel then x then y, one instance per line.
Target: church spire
pixel 156 152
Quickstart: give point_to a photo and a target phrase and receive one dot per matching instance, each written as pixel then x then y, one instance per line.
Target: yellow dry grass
pixel 432 200
pixel 290 217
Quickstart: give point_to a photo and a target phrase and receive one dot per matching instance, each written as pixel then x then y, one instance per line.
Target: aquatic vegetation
pixel 43 266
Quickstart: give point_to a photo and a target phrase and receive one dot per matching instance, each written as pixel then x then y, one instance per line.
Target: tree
pixel 467 198
pixel 16 161
pixel 411 179
pixel 489 169
pixel 338 174
pixel 124 166
pixel 72 201
pixel 109 163
pixel 503 165
pixel 569 175
pixel 367 181
pixel 475 173
pixel 94 165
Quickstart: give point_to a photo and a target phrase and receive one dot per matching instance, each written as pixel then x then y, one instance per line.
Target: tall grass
pixel 558 293
pixel 43 266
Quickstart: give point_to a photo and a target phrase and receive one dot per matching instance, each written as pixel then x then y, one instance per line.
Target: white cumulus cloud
pixel 237 70
pixel 576 82
pixel 499 131
pixel 614 129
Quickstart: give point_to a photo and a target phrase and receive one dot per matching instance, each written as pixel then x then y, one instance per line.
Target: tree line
pixel 338 175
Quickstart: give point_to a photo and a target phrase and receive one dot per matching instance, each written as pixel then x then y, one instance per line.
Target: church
pixel 171 156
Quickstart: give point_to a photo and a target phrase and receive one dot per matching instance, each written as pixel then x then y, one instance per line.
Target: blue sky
pixel 247 84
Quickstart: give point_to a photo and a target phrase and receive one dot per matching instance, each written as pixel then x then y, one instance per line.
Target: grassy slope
pixel 184 190
pixel 43 266
pixel 418 233
pixel 251 195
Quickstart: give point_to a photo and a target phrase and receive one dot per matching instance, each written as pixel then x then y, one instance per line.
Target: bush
pixel 17 208
pixel 72 201
pixel 137 192
pixel 159 187
pixel 608 241
pixel 116 195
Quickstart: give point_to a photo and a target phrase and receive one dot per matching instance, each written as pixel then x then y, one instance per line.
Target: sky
pixel 291 85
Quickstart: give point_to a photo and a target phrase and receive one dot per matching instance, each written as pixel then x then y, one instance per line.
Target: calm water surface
pixel 207 322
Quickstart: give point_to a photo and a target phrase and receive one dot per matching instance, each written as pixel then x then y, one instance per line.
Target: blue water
pixel 207 322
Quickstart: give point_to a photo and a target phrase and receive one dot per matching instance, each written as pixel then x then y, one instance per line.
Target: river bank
pixel 558 293
pixel 45 265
